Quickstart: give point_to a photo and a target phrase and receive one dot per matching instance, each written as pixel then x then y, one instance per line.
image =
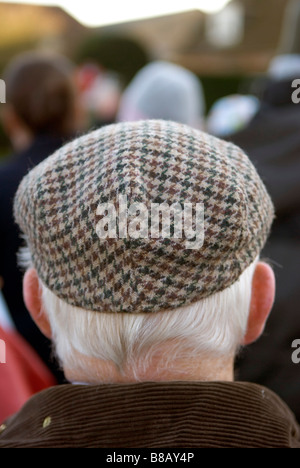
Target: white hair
pixel 214 327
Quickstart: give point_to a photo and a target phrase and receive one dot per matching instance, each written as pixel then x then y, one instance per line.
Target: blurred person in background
pixel 231 114
pixel 100 92
pixel 162 90
pixel 22 372
pixel 42 112
pixel 272 141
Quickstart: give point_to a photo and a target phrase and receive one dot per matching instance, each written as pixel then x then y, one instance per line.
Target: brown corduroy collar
pixel 153 415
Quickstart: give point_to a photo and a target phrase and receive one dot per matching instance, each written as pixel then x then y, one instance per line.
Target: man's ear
pixel 33 302
pixel 262 300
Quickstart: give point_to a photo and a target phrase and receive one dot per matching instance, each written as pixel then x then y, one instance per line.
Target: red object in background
pixel 22 375
pixel 86 76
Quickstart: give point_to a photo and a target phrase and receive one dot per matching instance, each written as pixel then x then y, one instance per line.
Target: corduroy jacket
pixel 153 415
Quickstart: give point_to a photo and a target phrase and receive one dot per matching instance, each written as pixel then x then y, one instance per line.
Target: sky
pixel 103 12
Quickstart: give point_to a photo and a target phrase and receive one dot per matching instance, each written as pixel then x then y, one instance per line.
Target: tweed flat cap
pixel 147 163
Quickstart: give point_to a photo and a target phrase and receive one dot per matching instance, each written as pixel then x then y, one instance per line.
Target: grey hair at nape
pixel 214 326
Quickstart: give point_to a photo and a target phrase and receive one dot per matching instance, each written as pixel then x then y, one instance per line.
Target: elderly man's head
pixel 144 241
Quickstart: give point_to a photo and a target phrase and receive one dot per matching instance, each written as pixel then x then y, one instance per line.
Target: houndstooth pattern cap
pixel 155 161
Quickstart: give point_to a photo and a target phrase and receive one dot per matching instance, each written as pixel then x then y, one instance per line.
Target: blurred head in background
pixel 231 114
pixel 41 98
pixel 284 66
pixel 100 91
pixel 162 90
